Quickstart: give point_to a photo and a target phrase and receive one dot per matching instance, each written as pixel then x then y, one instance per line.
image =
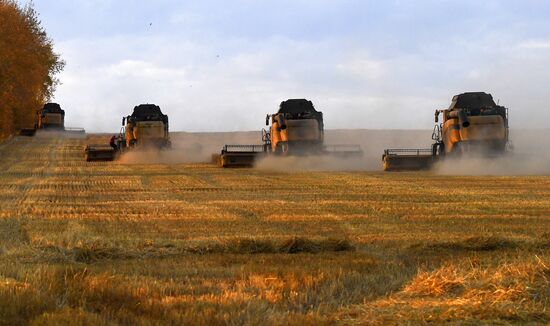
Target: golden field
pixel 147 244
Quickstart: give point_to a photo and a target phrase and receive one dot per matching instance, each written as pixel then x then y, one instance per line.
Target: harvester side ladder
pixel 266 139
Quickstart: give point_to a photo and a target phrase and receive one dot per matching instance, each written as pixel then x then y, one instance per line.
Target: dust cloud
pixel 151 156
pixel 199 148
pixel 42 133
pixel 311 163
pixel 372 142
pixel 530 155
pixel 189 148
pixel 508 165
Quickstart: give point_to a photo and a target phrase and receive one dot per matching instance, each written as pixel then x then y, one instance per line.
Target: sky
pixel 222 65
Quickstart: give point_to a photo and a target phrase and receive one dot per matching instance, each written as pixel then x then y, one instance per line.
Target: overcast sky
pixel 222 65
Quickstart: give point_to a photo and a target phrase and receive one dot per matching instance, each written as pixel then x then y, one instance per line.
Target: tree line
pixel 28 66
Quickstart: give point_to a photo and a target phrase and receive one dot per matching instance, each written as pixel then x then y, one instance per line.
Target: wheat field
pixel 146 244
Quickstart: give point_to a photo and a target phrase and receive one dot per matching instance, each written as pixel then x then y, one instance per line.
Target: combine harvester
pixel 146 128
pixel 50 118
pixel 296 129
pixel 473 125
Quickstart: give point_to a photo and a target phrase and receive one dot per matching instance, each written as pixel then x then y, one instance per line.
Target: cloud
pixel 535 44
pixel 362 68
pixel 144 70
pixel 366 64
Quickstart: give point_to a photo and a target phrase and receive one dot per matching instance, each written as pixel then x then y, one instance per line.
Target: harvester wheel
pixel 281 148
pixel 385 164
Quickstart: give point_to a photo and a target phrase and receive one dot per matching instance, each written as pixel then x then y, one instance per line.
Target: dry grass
pixel 466 292
pixel 108 244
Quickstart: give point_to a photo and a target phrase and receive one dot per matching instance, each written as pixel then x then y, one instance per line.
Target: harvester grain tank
pixel 296 129
pixel 145 128
pixel 472 125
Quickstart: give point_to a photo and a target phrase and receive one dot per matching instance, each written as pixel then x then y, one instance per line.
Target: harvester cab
pixel 473 125
pixel 296 129
pixel 146 127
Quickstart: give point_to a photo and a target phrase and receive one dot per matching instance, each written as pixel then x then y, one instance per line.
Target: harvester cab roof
pixel 52 108
pixel 298 109
pixel 148 112
pixel 476 104
pixel 295 106
pixel 472 100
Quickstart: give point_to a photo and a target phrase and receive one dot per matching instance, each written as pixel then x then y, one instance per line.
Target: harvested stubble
pixel 108 243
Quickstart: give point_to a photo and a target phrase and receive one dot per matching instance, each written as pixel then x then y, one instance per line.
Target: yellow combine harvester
pixel 146 128
pixel 473 125
pixel 50 117
pixel 296 129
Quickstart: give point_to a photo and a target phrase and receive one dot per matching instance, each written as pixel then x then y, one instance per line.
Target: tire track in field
pixel 25 204
pixel 35 161
pixel 14 153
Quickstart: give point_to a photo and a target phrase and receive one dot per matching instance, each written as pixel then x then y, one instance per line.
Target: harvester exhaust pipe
pixel 282 122
pixel 462 118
